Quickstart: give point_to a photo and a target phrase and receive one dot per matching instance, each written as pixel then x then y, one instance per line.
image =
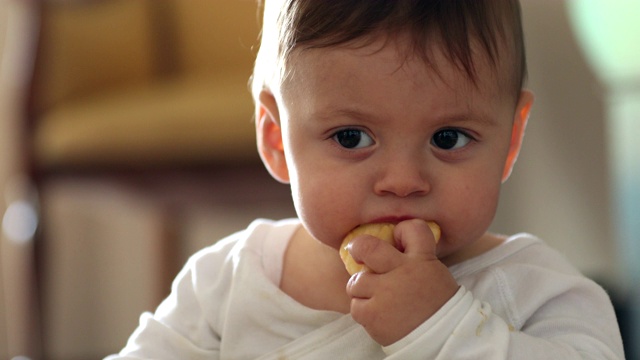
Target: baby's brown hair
pixel 494 25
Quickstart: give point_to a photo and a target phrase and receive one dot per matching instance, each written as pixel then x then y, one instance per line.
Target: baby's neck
pixel 486 242
pixel 314 275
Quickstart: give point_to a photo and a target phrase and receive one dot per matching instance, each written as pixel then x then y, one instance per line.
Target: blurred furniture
pixel 152 94
pixel 147 82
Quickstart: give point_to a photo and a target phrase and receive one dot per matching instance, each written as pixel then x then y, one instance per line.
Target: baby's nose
pixel 403 177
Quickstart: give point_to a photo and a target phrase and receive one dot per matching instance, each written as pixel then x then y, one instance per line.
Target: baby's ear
pixel 269 137
pixel 520 117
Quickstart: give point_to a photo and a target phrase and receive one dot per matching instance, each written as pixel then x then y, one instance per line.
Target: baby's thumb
pixel 417 237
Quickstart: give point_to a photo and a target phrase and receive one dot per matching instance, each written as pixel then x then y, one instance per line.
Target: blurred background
pixel 126 136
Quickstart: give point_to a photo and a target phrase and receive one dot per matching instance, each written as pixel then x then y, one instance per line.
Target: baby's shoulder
pixel 517 251
pixel 524 275
pixel 262 238
pixel 252 237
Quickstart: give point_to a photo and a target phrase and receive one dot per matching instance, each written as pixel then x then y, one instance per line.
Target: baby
pixel 403 112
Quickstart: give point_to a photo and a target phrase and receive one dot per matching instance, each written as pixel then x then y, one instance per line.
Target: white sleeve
pixel 177 330
pixel 463 328
pixel 466 328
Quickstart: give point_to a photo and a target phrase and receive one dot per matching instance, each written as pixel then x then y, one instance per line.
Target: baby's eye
pixel 353 138
pixel 450 139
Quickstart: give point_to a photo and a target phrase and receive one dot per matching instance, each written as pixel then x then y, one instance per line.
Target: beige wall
pixel 560 187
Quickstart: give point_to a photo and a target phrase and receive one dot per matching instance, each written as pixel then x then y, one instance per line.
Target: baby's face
pixel 370 136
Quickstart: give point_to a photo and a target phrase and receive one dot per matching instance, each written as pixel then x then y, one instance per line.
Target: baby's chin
pixel 331 240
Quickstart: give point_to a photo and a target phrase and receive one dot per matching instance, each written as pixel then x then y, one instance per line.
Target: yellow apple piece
pixel 383 231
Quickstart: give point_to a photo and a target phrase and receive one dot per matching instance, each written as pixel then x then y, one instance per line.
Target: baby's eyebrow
pixel 461 118
pixel 350 113
pixel 446 119
pixel 465 117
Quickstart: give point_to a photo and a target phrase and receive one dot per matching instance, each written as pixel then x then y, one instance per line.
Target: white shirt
pixel 521 300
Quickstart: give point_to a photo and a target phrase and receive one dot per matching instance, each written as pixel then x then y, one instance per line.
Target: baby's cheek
pixel 323 217
pixel 468 219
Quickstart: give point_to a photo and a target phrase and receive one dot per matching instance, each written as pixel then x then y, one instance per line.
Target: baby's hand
pixel 400 290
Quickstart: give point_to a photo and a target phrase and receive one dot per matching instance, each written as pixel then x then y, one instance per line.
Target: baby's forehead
pixel 366 77
pixel 482 70
pixel 399 51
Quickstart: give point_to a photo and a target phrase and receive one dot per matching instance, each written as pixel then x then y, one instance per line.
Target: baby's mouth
pixel 392 219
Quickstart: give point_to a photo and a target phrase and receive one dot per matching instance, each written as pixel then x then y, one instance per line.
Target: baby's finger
pixel 417 237
pixel 361 285
pixel 377 255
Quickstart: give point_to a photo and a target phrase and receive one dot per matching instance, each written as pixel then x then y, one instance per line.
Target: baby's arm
pixel 175 330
